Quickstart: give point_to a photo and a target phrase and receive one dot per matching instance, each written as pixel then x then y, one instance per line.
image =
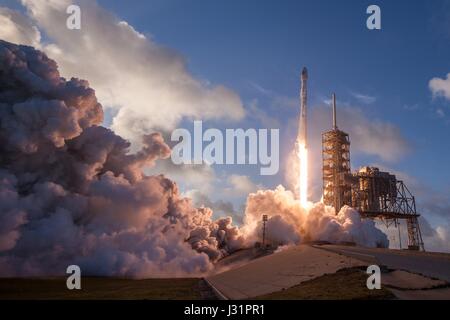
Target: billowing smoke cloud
pixel 289 223
pixel 71 193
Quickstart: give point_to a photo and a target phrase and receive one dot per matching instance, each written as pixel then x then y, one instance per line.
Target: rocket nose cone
pixel 304 73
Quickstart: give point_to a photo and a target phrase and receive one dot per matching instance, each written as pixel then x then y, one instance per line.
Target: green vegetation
pixel 101 288
pixel 346 284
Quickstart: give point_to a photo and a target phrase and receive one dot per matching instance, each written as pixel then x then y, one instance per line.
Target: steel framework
pixel 336 169
pixel 396 204
pixel 375 194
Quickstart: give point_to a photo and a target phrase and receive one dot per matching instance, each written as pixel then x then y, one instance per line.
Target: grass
pixel 346 284
pixel 101 288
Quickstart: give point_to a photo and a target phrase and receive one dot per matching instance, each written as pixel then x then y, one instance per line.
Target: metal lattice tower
pixel 379 195
pixel 336 166
pixel 375 194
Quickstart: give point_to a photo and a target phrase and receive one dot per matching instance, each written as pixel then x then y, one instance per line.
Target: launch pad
pixel 375 194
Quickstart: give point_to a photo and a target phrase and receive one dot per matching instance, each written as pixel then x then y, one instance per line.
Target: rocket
pixel 302 138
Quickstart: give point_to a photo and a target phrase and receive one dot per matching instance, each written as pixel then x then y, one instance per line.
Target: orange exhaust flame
pixel 303 175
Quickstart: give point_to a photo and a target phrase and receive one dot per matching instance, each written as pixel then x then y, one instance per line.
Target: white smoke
pixel 289 223
pixel 71 193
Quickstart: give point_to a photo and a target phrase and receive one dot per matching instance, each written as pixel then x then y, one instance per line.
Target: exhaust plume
pixel 291 223
pixel 71 193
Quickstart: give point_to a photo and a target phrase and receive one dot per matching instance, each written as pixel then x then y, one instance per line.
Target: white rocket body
pixel 302 128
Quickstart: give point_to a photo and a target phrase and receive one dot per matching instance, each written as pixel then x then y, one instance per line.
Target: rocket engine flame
pixel 302 150
pixel 302 153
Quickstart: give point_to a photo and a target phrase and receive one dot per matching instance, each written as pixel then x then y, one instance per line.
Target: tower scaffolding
pixel 336 166
pixel 374 194
pixel 379 195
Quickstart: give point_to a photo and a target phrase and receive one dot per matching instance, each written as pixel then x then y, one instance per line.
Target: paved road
pixel 284 269
pixel 437 294
pixel 435 265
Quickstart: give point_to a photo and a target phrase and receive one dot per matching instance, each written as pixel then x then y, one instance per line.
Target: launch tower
pixel 336 166
pixel 375 194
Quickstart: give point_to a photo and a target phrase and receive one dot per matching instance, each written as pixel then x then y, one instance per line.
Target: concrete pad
pixel 429 264
pixel 406 280
pixel 434 294
pixel 279 271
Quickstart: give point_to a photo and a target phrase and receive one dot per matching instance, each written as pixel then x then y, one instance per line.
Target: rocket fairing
pixel 302 129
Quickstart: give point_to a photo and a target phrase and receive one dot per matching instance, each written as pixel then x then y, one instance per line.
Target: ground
pixel 280 271
pixel 313 272
pixel 346 284
pixel 102 288
pixel 297 272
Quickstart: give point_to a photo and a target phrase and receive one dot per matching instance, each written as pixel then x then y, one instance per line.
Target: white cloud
pixel 285 102
pixel 436 239
pixel 220 207
pixel 260 88
pixel 14 27
pixel 364 98
pixel 190 177
pixel 276 100
pixel 241 185
pixel 440 87
pixel 411 107
pixel 255 112
pixel 368 136
pixel 147 85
